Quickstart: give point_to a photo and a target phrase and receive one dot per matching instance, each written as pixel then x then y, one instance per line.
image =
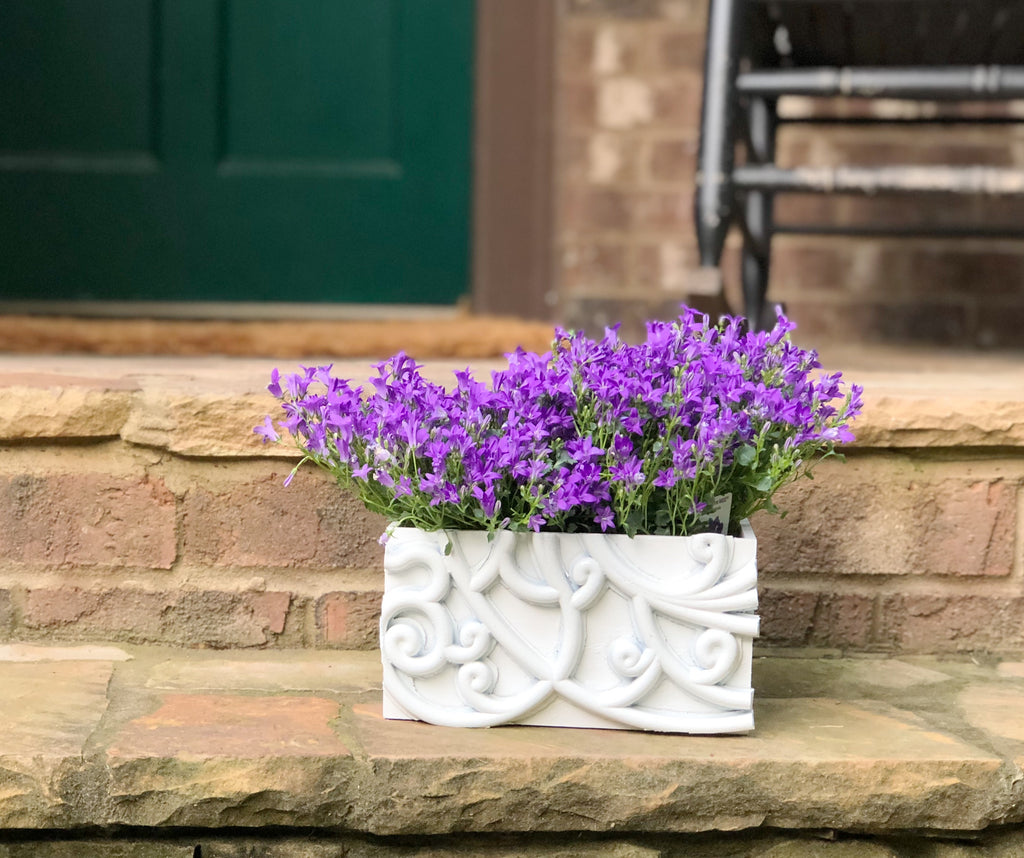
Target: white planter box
pixel 574 630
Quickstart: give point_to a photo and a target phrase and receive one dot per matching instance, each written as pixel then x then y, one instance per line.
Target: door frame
pixel 512 234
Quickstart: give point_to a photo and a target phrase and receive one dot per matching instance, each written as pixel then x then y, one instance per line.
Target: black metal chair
pixel 759 51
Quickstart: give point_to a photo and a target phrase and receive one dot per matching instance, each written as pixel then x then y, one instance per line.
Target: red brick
pixel 181 618
pixel 349 620
pixel 593 314
pixel 589 266
pixel 574 159
pixel 811 209
pixel 853 320
pixel 943 623
pixel 68 520
pixel 666 212
pixel 602 158
pixel 578 105
pixel 786 617
pixel 844 621
pixel 311 523
pixel 677 103
pixel 598 209
pixel 680 49
pixel 955 269
pixel 615 48
pixel 867 147
pixel 999 325
pixel 884 516
pixel 576 50
pixel 794 617
pixel 617 9
pixel 673 160
pixel 7 613
pixel 866 269
pixel 664 267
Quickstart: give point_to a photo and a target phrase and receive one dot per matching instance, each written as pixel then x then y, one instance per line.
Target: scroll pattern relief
pixel 677 659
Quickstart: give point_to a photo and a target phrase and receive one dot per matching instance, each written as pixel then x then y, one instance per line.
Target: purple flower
pixel 593 435
pixel 267 430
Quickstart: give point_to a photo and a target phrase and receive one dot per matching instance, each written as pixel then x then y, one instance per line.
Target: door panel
pixel 188 150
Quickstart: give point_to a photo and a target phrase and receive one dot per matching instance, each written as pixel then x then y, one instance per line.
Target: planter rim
pixel 746 532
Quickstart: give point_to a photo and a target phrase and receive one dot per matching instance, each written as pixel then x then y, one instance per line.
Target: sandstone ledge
pixel 208 406
pixel 169 739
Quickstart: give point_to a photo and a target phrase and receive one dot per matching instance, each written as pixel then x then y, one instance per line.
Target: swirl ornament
pixel 578 630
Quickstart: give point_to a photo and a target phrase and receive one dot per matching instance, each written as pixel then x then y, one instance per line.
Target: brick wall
pixel 152 515
pixel 903 551
pixel 629 91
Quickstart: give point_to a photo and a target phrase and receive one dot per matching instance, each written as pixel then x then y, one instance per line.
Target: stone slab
pixel 48 712
pixel 211 725
pixel 810 763
pixel 998 709
pixel 168 740
pixel 49 709
pixel 32 652
pixel 208 406
pixel 348 672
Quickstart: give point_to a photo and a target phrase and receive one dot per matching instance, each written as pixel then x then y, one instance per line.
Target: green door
pixel 235 150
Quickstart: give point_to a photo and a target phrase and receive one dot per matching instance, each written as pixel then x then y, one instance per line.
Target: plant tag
pixel 718 514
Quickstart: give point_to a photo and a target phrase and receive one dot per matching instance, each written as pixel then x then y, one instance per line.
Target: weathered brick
pixel 673 160
pixel 578 105
pixel 602 158
pixel 633 8
pixel 957 622
pixel 843 620
pixel 865 268
pixel 786 616
pixel 632 313
pixel 663 212
pixel 794 617
pixel 7 616
pixel 90 519
pixel 846 146
pixel 576 49
pixel 589 208
pixel 884 516
pixel 999 325
pixel 589 266
pixel 262 523
pixel 618 49
pixel 811 209
pixel 966 271
pixel 625 103
pixel 664 267
pixel 181 618
pixel 680 49
pixel 349 620
pixel 846 319
pixel 677 103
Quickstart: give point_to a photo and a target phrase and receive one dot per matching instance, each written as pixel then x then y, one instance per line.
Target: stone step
pixel 137 506
pixel 238 750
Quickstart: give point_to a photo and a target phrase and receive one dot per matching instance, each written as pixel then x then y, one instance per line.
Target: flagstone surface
pixel 165 740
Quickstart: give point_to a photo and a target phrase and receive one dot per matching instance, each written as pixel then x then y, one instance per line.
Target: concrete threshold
pixel 162 740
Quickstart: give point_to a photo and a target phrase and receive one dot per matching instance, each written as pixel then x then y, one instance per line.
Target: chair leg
pixel 714 201
pixel 757 217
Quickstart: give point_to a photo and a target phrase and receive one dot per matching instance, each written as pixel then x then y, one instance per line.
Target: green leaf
pixel 746 455
pixel 761 484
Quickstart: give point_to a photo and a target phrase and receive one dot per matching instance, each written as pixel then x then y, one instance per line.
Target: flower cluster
pixel 596 435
